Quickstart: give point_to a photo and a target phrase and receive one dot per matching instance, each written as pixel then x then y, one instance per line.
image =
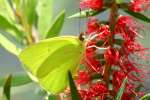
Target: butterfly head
pixel 82 36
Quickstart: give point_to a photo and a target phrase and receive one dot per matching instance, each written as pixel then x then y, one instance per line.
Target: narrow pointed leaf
pixel 6 11
pixel 138 15
pixel 8 45
pixel 29 11
pixel 56 26
pixel 74 93
pixel 16 3
pixel 44 12
pixel 121 90
pixel 6 88
pixel 7 19
pixel 5 25
pixel 52 97
pixel 18 80
pixel 146 97
pixel 86 13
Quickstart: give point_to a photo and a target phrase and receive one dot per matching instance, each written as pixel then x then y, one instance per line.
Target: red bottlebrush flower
pixel 130 68
pixel 96 30
pixel 139 5
pixel 133 47
pixel 92 25
pixel 127 66
pixel 118 77
pixel 127 96
pixel 112 56
pixel 127 27
pixel 136 49
pixel 83 77
pixel 99 89
pixel 140 94
pixel 89 60
pixel 85 95
pixel 103 32
pixel 93 4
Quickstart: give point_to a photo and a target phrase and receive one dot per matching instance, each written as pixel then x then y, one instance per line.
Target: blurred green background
pixel 10 63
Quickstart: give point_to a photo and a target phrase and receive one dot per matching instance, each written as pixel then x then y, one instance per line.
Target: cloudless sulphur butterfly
pixel 50 60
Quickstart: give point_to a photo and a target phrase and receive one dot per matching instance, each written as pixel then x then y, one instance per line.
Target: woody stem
pixel 112 22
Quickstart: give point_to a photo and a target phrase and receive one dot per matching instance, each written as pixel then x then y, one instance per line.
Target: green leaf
pixel 99 43
pixel 74 93
pixel 56 26
pixel 44 12
pixel 8 27
pixel 119 1
pixel 6 11
pixel 25 11
pixel 18 80
pixel 86 13
pixel 6 88
pixel 8 21
pixel 121 90
pixel 119 41
pixel 4 23
pixel 52 97
pixel 138 15
pixel 96 76
pixel 146 97
pixel 29 11
pixel 16 3
pixel 8 45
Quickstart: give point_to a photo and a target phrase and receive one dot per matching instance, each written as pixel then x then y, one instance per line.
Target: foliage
pixel 18 21
pixel 121 90
pixel 146 97
pixel 7 88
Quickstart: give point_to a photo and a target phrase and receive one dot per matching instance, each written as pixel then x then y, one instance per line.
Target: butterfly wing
pixel 50 60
